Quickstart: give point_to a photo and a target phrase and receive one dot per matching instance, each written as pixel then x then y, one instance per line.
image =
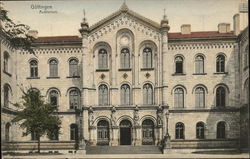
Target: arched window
pixel 33 68
pixel 179 98
pixel 6 94
pixel 125 58
pixel 220 63
pixel 53 68
pixel 103 94
pixel 73 68
pixel 199 97
pixel 125 94
pixel 53 97
pixel 200 130
pixel 73 132
pixel 147 58
pixel 220 97
pixel 221 130
pixel 179 131
pixel 147 94
pixel 178 64
pixel 6 62
pixel 7 132
pixel 102 59
pixel 199 64
pixel 74 99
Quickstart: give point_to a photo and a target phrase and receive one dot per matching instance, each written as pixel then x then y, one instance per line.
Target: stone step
pixel 123 150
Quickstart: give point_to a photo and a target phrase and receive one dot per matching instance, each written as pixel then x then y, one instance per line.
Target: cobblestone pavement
pixel 174 155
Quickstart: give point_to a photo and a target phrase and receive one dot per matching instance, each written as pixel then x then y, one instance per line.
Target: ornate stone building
pixel 129 81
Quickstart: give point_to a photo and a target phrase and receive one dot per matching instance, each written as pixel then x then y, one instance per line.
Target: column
pixel 164 37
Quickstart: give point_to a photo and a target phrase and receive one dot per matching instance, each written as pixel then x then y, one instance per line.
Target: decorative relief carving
pixel 56 50
pixel 113 116
pixel 199 46
pixel 91 116
pixel 159 115
pixel 124 21
pixel 125 75
pixel 136 116
pixel 147 75
pixel 102 76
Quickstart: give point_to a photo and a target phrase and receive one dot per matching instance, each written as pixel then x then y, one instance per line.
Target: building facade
pixel 129 81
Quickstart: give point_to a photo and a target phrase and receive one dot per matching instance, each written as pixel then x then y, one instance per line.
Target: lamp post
pixel 167 137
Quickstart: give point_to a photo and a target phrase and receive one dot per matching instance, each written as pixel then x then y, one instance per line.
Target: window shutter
pixel 144 60
pixel 196 99
pixel 181 99
pixel 176 100
pixel 122 60
pixel 122 95
pixel 127 62
pixel 105 96
pixel 150 95
pixel 144 95
pixel 127 96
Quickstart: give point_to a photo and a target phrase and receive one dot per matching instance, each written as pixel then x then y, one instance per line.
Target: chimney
pixel 243 12
pixel 224 28
pixel 33 33
pixel 186 29
pixel 236 19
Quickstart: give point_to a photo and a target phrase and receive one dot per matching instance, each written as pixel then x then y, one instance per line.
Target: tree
pixel 34 115
pixel 17 34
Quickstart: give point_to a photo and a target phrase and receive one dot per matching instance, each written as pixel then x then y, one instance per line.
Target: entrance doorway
pixel 147 132
pixel 125 132
pixel 103 133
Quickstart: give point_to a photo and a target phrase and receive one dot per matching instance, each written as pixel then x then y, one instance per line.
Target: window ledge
pixel 221 73
pixel 7 73
pixel 102 70
pixel 199 73
pixel 178 74
pixel 73 77
pixel 52 77
pixel 33 77
pixel 147 69
pixel 124 69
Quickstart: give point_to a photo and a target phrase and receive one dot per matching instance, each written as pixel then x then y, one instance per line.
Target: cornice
pixel 59 50
pixel 190 46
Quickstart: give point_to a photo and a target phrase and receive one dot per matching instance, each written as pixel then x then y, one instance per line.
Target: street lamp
pixel 167 117
pixel 167 144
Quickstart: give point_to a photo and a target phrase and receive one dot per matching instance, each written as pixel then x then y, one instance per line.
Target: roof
pixel 58 39
pixel 124 9
pixel 76 39
pixel 200 34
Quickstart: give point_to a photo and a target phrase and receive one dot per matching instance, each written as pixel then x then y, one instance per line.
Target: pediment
pixel 124 18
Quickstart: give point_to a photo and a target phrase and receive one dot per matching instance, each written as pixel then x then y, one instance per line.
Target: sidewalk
pixel 172 155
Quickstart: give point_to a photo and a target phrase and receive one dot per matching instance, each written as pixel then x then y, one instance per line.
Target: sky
pixel 64 17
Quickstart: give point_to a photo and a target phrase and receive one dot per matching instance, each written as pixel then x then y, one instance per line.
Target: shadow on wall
pixel 222 123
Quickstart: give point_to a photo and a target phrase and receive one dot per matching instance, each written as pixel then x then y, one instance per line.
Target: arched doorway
pixel 125 132
pixel 147 132
pixel 103 133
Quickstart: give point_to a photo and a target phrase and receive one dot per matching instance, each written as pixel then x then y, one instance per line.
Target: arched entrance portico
pixel 103 133
pixel 125 132
pixel 147 132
